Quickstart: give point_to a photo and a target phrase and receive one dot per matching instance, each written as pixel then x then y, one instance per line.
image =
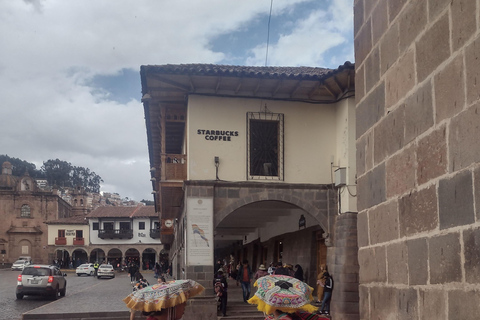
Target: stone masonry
pixel 418 158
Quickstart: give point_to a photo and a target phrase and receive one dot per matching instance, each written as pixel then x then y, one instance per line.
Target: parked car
pixel 20 264
pixel 28 258
pixel 41 280
pixel 106 270
pixel 86 268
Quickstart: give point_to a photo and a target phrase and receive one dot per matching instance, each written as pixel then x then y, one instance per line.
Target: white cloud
pixel 310 38
pixel 50 49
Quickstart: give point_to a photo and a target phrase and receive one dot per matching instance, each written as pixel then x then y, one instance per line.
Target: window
pixel 265 145
pixel 25 211
pixel 79 234
pixel 108 225
pixel 124 225
pixel 61 233
pixel 141 225
pixel 95 226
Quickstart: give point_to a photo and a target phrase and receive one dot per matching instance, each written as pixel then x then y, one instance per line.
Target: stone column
pixel 345 268
pixel 199 250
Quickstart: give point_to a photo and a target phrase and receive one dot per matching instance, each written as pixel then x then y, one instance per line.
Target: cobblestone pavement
pixel 84 294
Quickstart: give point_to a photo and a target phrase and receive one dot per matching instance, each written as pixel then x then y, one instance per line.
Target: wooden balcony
pixel 115 234
pixel 60 241
pixel 155 233
pixel 175 166
pixel 78 241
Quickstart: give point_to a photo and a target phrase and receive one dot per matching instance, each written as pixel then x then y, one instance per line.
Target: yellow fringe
pixel 163 304
pixel 268 309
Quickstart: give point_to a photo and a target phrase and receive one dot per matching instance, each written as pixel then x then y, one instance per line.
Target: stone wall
pixel 418 122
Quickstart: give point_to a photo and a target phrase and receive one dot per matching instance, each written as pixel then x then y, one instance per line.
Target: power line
pixel 268 31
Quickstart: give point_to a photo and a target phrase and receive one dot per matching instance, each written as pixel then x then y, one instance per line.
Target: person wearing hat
pixel 262 271
pixel 220 286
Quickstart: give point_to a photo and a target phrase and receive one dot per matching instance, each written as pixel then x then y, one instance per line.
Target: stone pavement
pixel 101 301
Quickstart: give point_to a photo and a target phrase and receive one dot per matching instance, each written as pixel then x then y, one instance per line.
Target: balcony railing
pixel 155 233
pixel 78 241
pixel 60 241
pixel 175 166
pixel 115 234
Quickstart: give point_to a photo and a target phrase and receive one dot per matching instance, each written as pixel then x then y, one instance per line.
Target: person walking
pixel 298 272
pixel 132 270
pixel 327 294
pixel 220 286
pixel 262 271
pixel 244 277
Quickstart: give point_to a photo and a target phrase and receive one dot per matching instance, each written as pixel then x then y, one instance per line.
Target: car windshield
pixel 83 266
pixel 36 271
pixel 106 266
pixel 19 261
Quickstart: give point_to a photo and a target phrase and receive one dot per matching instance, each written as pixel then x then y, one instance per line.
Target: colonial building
pixel 24 209
pixel 119 234
pixel 68 240
pixel 418 158
pixel 257 163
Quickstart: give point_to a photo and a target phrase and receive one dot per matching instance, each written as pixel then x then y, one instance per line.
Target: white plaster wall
pixel 53 233
pixel 346 153
pixel 309 138
pixel 139 236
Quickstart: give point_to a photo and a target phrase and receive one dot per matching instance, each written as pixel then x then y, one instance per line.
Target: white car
pixel 20 264
pixel 86 268
pixel 106 270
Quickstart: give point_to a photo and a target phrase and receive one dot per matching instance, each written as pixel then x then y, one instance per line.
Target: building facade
pixel 255 163
pixel 418 157
pixel 125 234
pixel 24 209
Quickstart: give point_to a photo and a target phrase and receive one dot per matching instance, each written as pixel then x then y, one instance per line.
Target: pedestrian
pixel 327 294
pixel 321 282
pixel 271 268
pixel 298 272
pixel 156 270
pixel 140 283
pixel 262 271
pixel 219 264
pixel 244 277
pixel 220 286
pixel 95 267
pixel 289 267
pixel 280 269
pixel 132 270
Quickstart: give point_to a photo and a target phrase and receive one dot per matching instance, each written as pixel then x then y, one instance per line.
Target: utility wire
pixel 268 32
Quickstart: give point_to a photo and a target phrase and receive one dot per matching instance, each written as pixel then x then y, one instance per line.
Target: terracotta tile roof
pixel 123 212
pixel 78 219
pixel 304 73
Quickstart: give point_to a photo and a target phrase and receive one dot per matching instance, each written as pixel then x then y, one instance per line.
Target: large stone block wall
pixel 418 126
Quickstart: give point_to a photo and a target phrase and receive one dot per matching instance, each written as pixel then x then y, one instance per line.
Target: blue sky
pixel 69 70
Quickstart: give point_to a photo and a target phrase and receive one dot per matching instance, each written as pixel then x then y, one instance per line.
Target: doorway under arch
pixel 98 255
pixel 132 255
pixel 149 256
pixel 79 256
pixel 114 257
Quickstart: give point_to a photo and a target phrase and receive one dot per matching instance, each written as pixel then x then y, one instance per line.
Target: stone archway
pixel 114 256
pixel 149 257
pixel 97 255
pixel 132 255
pixel 79 256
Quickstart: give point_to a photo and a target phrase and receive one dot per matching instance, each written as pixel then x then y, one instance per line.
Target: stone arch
pixel 275 195
pixel 79 256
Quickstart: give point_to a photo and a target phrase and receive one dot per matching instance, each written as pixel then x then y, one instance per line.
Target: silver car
pixel 41 280
pixel 106 270
pixel 20 264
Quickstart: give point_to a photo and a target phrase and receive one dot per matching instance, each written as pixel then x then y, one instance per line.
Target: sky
pixel 70 70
